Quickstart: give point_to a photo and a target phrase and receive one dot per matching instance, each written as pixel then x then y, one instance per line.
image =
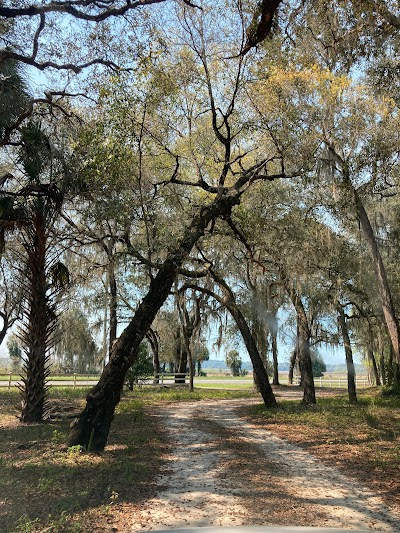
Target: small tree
pixel 200 354
pixel 142 367
pixel 76 350
pixel 14 352
pixel 234 361
pixel 318 364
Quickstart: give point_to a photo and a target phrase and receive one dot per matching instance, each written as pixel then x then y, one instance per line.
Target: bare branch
pixel 30 60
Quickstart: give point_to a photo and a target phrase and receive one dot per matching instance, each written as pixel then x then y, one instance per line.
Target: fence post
pixel 162 378
pixel 320 381
pixel 340 383
pixel 9 381
pixel 74 380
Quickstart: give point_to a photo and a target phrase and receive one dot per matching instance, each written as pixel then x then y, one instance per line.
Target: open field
pixel 45 484
pixel 222 381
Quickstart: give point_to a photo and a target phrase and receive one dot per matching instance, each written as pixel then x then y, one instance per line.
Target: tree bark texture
pixel 36 331
pixel 351 373
pixel 93 425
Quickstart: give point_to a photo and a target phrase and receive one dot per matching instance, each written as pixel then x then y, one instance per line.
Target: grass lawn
pixel 362 440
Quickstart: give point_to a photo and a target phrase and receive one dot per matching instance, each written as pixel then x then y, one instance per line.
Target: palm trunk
pixel 34 390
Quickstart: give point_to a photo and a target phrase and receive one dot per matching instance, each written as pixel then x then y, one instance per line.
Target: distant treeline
pixel 284 367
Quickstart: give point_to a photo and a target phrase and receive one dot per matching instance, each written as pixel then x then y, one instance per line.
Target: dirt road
pixel 223 471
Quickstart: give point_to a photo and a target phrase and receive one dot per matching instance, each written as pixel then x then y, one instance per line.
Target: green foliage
pixel 200 354
pixel 14 347
pixel 318 364
pixel 142 368
pixel 234 361
pixel 14 96
pixel 36 152
pixel 14 352
pixel 76 350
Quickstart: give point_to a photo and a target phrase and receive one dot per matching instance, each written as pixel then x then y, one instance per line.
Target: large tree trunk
pixel 261 376
pixel 351 373
pixel 36 332
pixel 93 425
pixel 305 363
pixel 384 291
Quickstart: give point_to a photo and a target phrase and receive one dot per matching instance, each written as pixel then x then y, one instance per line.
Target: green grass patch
pixel 46 485
pixel 364 437
pixel 152 395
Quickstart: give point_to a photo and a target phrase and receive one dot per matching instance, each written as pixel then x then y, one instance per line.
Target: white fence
pixel 170 378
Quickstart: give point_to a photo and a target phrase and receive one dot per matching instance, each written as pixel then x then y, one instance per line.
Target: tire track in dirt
pixel 224 471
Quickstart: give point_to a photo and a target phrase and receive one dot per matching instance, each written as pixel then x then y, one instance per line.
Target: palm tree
pixel 33 210
pixel 44 274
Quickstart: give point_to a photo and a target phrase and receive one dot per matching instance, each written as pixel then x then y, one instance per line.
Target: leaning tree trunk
pixel 384 291
pixel 260 373
pixel 351 373
pixel 92 427
pixel 36 330
pixel 261 376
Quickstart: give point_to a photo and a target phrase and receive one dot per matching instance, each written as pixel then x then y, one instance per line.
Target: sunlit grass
pixel 364 437
pixel 46 485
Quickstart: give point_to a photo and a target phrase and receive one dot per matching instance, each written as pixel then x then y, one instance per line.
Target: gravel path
pixel 223 471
